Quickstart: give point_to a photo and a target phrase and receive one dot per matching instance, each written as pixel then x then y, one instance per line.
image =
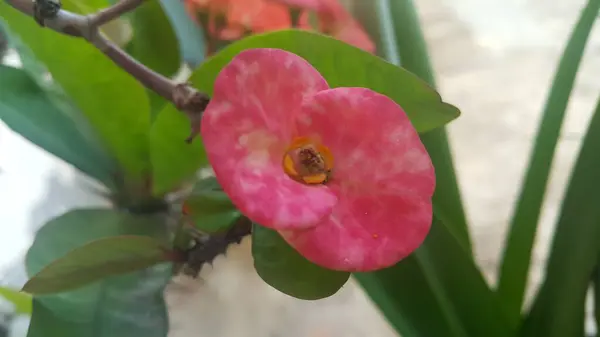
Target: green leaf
pixel 44 323
pixel 3 42
pixel 95 261
pixel 437 291
pixel 126 305
pixel 596 289
pixel 131 306
pixel 558 308
pixel 282 267
pixel 154 44
pixel 341 64
pixel 21 301
pixel 173 160
pixel 209 209
pixel 447 195
pixel 41 114
pixel 113 101
pixel 517 252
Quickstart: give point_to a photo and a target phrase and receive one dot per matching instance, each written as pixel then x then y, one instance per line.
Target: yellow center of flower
pixel 308 162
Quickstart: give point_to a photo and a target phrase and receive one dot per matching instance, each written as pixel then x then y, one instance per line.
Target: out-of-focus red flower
pixel 231 19
pixel 334 20
pixel 240 16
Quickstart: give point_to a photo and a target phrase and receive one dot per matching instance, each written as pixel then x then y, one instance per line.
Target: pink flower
pixel 340 173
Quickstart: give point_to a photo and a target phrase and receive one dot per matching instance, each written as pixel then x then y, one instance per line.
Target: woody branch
pixel 184 96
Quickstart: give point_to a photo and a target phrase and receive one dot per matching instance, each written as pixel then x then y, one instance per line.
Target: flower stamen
pixel 307 162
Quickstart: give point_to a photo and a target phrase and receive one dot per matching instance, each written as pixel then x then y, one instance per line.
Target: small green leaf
pixel 41 114
pixel 73 229
pixel 559 307
pixel 21 301
pixel 114 102
pixel 516 259
pixel 97 260
pixel 210 209
pixel 282 267
pixel 125 306
pixel 437 291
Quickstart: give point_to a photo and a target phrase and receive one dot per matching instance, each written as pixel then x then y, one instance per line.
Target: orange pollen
pixel 308 162
pixel 375 236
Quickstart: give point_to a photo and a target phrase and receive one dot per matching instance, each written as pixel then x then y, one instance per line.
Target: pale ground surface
pixel 493 58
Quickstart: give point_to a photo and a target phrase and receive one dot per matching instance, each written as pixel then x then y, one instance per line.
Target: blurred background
pixel 494 59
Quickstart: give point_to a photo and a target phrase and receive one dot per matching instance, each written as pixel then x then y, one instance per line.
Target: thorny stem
pixel 186 98
pixel 209 247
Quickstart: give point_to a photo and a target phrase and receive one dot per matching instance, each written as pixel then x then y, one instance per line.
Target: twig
pixel 183 95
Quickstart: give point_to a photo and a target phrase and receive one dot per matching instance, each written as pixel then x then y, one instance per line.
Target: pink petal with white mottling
pixel 246 128
pixel 383 177
pixel 374 145
pixel 365 233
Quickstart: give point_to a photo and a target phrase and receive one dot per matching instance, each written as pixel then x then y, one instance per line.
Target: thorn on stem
pixel 208 248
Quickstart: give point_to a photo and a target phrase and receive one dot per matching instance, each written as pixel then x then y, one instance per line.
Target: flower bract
pixel 340 173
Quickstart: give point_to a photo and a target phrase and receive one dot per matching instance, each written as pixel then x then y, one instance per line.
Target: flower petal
pixel 373 143
pixel 383 177
pixel 266 87
pixel 365 233
pixel 246 128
